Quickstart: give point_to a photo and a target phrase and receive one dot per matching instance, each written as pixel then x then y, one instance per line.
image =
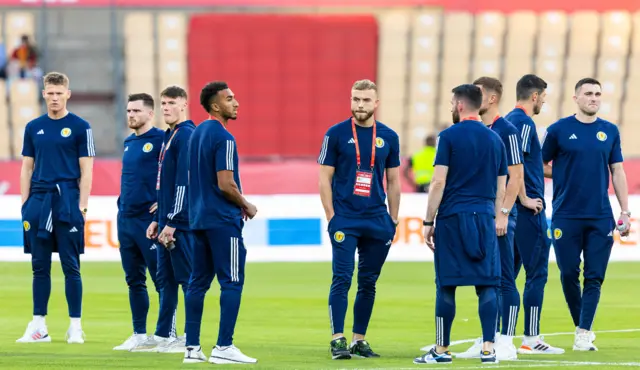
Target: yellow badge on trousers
pixel 26 225
pixel 338 236
pixel 557 234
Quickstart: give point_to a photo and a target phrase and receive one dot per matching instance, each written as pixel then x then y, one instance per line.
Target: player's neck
pixel 585 118
pixel 59 114
pixel 490 115
pixel 526 106
pixel 144 129
pixel 218 118
pixel 368 123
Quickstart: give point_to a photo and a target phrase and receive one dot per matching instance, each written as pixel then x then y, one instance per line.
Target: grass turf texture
pixel 284 319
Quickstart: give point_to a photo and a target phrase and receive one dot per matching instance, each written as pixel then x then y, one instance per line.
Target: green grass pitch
pixel 284 320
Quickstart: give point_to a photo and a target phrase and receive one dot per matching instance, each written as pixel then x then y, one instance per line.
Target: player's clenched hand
pixel 428 237
pixel 502 221
pixel 166 236
pixel 535 205
pixel 153 207
pixel 626 223
pixel 249 211
pixel 152 230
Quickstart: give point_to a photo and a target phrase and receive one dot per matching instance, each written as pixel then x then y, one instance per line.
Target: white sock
pixel 530 339
pixel 38 319
pixel 75 322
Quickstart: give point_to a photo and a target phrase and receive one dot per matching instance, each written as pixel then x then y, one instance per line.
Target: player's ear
pixel 68 94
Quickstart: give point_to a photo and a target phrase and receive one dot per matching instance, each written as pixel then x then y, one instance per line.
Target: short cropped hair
pixel 174 92
pixel 470 93
pixel 587 81
pixel 363 85
pixel 209 92
pixel 147 100
pixel 56 78
pixel 529 84
pixel 490 84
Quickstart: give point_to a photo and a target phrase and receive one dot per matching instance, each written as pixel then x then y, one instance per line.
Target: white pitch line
pixel 463 341
pixel 635 364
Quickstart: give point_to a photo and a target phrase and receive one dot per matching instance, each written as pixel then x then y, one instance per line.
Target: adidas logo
pixel 126 148
pixel 572 137
pixel 73 230
pixel 153 247
pixel 610 233
pixel 41 132
pixel 351 141
pixel 389 242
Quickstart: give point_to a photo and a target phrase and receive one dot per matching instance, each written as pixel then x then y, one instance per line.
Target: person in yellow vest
pixel 421 164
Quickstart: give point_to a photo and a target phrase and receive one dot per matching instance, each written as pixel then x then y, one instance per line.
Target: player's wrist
pixel 626 213
pixel 427 222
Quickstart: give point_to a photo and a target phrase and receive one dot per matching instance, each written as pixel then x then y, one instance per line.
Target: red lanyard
pixel 494 121
pixel 470 118
pixel 523 109
pixel 373 144
pixel 166 147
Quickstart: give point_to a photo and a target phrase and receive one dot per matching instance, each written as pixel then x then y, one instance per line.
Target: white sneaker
pixel 583 342
pixel 131 342
pixel 473 351
pixel 75 335
pixel 35 333
pixel 150 344
pixel 505 350
pixel 229 355
pixel 193 355
pixel 592 335
pixel 176 345
pixel 537 346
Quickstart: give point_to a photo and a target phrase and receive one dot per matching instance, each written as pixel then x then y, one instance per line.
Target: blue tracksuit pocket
pixel 470 233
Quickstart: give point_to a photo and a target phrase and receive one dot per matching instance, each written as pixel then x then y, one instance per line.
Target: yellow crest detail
pixel 338 236
pixel 557 234
pixel 147 147
pixel 66 132
pixel 601 136
pixel 379 142
pixel 26 225
pixel 549 234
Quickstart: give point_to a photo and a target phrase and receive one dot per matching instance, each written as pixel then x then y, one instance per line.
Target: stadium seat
pixel 522 28
pixel 138 25
pixel 635 36
pixel 611 73
pixel 17 24
pixel 172 54
pixel 486 67
pixel 23 91
pixel 456 55
pixel 171 24
pixel 616 30
pixel 21 114
pixel 139 54
pixel 489 35
pixel 630 136
pixel 552 35
pixel 583 34
pixel 392 67
pixel 5 133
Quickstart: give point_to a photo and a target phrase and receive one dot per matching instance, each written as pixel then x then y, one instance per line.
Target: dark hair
pixel 470 93
pixel 490 84
pixel 209 92
pixel 174 92
pixel 529 84
pixel 147 100
pixel 587 81
pixel 56 78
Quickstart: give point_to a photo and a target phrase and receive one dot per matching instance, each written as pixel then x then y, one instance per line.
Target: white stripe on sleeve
pixel 230 151
pixel 178 202
pixel 91 148
pixel 526 131
pixel 515 151
pixel 323 150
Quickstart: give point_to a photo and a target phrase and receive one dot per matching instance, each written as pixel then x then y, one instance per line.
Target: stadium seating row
pixel 422 55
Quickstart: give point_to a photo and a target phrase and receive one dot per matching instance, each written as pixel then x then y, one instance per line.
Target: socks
pixel 75 322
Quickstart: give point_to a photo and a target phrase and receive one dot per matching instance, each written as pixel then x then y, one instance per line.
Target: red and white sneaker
pixel 537 346
pixel 36 333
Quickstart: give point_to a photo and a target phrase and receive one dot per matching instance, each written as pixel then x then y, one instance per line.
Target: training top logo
pixel 26 225
pixel 379 142
pixel 557 234
pixel 601 136
pixel 66 132
pixel 147 147
pixel 338 236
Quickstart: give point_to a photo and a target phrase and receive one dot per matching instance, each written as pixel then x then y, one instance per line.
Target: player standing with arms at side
pixel 55 183
pixel 467 191
pixel 508 296
pixel 175 255
pixel 584 148
pixel 136 207
pixel 217 211
pixel 354 158
pixel 532 242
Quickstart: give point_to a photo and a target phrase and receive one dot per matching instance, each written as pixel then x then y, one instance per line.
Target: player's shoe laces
pixel 537 346
pixel 131 342
pixel 177 345
pixel 150 344
pixel 35 333
pixel 193 355
pixel 433 357
pixel 473 351
pixel 583 342
pixel 489 357
pixel 229 355
pixel 505 350
pixel 339 349
pixel 362 349
pixel 75 335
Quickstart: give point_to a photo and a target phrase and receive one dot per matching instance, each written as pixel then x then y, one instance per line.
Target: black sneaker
pixel 362 349
pixel 339 350
pixel 488 357
pixel 433 357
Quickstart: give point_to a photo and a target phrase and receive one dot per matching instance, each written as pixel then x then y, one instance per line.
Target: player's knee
pixel 487 294
pixel 593 282
pixel 569 275
pixel 341 283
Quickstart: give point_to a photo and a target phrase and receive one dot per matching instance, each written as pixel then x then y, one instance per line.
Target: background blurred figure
pixel 25 59
pixel 421 164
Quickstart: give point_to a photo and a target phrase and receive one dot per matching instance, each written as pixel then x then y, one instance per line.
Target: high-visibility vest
pixel 422 165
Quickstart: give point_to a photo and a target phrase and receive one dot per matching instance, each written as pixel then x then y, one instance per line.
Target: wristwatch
pixel 626 213
pixel 504 211
pixel 427 223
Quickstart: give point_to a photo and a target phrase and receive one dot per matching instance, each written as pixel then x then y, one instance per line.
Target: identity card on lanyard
pixel 162 152
pixel 364 179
